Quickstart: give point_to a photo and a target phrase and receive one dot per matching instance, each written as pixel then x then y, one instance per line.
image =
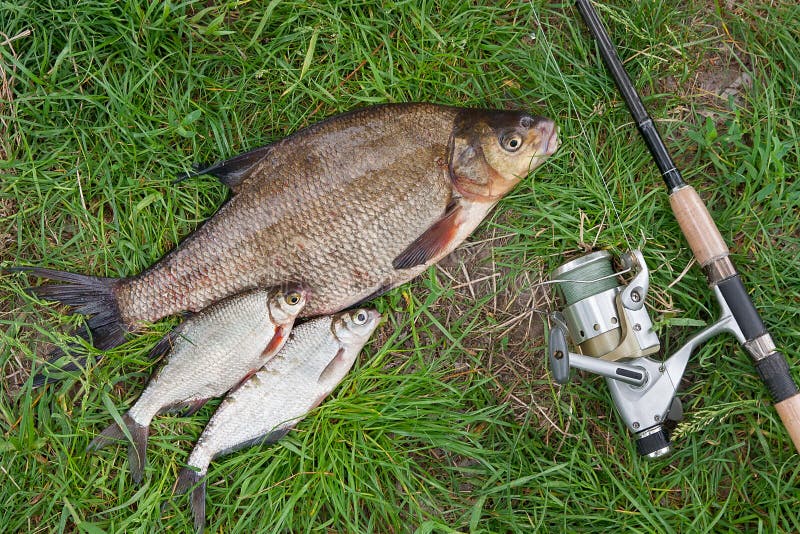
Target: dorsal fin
pixel 232 171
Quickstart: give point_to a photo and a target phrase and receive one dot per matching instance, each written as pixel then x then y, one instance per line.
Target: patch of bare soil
pixel 511 334
pixel 505 304
pixel 718 74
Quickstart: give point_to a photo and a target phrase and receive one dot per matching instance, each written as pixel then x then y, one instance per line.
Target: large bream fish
pixel 348 208
pixel 263 409
pixel 211 352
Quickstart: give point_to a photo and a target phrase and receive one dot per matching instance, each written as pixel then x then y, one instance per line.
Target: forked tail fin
pixel 56 368
pixel 92 296
pixel 190 479
pixel 137 451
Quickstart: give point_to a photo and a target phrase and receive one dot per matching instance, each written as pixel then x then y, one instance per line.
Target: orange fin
pixel 275 343
pixel 432 242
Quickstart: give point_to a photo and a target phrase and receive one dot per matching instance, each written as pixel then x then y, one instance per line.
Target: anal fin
pixel 433 241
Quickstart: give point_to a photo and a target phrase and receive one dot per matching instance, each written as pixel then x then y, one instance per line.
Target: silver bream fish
pixel 264 408
pixel 212 352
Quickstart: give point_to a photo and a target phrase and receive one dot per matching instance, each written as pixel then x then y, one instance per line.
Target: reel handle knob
pixel 558 354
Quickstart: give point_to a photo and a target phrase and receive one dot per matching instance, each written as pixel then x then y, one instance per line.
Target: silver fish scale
pixel 213 351
pixel 329 207
pixel 278 395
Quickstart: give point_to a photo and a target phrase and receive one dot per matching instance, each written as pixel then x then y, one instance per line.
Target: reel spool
pixel 606 319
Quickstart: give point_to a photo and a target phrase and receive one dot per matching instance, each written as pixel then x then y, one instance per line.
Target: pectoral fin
pixel 232 171
pixel 331 367
pixel 433 242
pixel 275 344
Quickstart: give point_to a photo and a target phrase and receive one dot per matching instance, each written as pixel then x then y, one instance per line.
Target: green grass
pixel 449 421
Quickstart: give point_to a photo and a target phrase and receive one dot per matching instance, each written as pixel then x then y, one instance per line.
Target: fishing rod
pixel 608 322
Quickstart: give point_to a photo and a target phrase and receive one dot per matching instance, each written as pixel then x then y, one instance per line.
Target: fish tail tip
pixel 63 369
pixel 198 505
pixel 92 296
pixel 179 178
pixel 14 269
pixel 105 438
pixel 40 380
pixel 137 451
pixel 189 479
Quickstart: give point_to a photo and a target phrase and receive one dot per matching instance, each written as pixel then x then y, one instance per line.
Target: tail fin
pixel 92 296
pixel 137 451
pixel 190 479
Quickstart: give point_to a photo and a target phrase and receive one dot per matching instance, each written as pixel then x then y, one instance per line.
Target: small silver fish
pixel 264 408
pixel 212 352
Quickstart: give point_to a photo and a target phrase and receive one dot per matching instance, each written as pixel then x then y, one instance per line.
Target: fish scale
pixel 345 183
pixel 289 376
pixel 230 336
pixel 210 353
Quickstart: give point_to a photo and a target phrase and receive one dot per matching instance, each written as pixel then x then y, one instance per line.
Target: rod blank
pixel 672 177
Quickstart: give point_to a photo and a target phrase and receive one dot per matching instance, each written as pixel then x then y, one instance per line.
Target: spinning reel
pixel 612 335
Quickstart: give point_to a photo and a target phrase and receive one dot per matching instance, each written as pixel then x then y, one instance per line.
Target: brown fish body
pixel 348 208
pixel 329 207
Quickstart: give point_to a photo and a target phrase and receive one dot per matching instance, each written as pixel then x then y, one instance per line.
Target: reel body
pixel 612 332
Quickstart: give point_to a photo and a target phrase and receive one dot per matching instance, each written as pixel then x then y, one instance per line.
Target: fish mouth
pixel 548 131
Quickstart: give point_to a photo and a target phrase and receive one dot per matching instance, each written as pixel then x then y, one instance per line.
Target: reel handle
pixel 561 360
pixel 558 354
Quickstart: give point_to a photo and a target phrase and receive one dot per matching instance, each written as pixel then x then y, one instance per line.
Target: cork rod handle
pixel 697 225
pixel 789 411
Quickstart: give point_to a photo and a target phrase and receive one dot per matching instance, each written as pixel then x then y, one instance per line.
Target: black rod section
pixel 672 177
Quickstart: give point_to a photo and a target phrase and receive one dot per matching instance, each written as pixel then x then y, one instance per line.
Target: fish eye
pixel 293 298
pixel 360 318
pixel 511 142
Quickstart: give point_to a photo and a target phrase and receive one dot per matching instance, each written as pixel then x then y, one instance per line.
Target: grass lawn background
pixel 449 420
